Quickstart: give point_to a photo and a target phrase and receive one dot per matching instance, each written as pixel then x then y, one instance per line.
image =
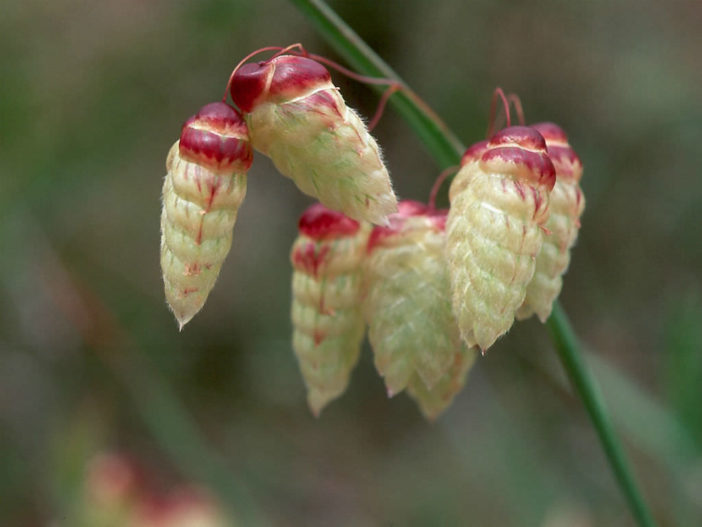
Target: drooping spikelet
pixel 499 203
pixel 327 322
pixel 407 302
pixel 297 117
pixel 432 402
pixel 204 187
pixel 566 206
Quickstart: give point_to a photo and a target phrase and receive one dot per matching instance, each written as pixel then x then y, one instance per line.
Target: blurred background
pixel 92 95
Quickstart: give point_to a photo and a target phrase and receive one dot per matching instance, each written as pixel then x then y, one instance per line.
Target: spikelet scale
pixel 326 286
pixel 298 118
pixel 499 202
pixel 203 189
pixel 433 401
pixel 566 206
pixel 407 301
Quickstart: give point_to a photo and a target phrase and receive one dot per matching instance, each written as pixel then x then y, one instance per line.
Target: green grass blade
pixel 584 383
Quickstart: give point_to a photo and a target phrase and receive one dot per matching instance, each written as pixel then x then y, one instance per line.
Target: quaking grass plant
pixel 288 109
pixel 447 149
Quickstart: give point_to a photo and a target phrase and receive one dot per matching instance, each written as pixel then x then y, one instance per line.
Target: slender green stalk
pixel 437 137
pixel 447 149
pixel 568 350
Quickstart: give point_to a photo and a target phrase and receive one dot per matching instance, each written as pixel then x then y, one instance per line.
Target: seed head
pixel 204 186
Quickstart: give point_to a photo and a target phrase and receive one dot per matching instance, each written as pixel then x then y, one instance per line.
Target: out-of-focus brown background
pixel 92 95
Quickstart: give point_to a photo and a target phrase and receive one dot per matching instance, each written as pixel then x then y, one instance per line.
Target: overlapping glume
pixel 433 401
pixel 326 285
pixel 566 206
pixel 203 189
pixel 499 204
pixel 298 118
pixel 416 342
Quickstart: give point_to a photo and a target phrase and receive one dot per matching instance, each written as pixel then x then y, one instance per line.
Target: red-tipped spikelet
pixel 204 187
pixel 566 206
pixel 326 315
pixel 499 203
pixel 432 402
pixel 297 117
pixel 407 304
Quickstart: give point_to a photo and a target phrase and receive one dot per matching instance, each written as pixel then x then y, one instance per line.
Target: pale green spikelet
pixel 298 118
pixel 567 205
pixel 494 230
pixel 407 300
pixel 204 186
pixel 433 401
pixel 326 287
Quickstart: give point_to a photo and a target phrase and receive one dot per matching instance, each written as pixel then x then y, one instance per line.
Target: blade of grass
pixel 585 385
pixel 447 149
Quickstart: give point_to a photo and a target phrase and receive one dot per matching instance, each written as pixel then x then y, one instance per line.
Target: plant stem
pixel 447 149
pixel 433 132
pixel 585 384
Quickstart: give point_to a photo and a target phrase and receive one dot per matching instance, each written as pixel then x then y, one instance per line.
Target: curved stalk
pixel 447 150
pixel 433 132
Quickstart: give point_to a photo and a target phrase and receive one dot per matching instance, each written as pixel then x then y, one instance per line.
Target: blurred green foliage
pixel 91 97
